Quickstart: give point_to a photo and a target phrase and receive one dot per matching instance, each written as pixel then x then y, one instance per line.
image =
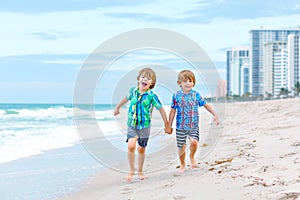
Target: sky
pixel 44 44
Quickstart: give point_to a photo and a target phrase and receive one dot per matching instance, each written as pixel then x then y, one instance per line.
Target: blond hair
pixel 148 72
pixel 185 75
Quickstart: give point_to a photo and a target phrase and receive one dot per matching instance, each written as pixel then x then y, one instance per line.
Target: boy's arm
pixel 210 109
pixel 163 114
pixel 117 109
pixel 171 116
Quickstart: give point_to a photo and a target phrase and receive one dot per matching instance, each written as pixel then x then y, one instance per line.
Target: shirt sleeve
pixel 174 103
pixel 129 95
pixel 200 99
pixel 156 103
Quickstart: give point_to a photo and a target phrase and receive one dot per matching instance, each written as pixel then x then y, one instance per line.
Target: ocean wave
pixel 33 141
pixel 28 129
pixel 2 112
pixel 11 112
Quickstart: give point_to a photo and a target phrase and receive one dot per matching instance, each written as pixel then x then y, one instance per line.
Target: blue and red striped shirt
pixel 186 106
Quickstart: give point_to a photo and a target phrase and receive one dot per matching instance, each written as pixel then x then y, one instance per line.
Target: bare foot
pixel 142 176
pixel 129 177
pixel 182 168
pixel 193 163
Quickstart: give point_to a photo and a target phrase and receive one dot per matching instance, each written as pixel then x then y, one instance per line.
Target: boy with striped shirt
pixel 185 103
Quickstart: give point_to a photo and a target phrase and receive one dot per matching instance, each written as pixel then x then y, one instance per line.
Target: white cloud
pixel 79 62
pixel 297 7
pixel 80 32
pixel 158 9
pixel 34 85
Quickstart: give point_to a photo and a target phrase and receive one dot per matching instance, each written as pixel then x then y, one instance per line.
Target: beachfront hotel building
pixel 293 61
pixel 275 67
pixel 258 39
pixel 280 71
pixel 238 71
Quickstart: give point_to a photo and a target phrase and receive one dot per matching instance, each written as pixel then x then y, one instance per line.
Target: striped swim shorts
pixel 181 136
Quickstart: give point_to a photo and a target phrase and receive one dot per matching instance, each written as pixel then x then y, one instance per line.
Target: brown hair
pixel 148 72
pixel 185 75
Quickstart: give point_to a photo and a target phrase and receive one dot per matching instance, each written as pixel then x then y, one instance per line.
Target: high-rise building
pixel 280 71
pixel 293 61
pixel 258 38
pixel 238 71
pixel 275 57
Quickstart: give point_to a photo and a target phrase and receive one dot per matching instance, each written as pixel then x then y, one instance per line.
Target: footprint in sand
pixel 297 160
pixel 168 185
pixel 127 190
pixel 296 144
pixel 179 197
pixel 289 195
pixel 288 154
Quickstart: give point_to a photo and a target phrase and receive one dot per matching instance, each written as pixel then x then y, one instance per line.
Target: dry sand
pixel 256 157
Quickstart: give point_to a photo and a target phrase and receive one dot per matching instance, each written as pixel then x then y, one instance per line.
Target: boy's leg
pixel 181 144
pixel 141 159
pixel 193 149
pixel 194 139
pixel 181 154
pixel 131 155
pixel 142 141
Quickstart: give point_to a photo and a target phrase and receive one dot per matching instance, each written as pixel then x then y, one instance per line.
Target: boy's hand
pixel 116 112
pixel 168 130
pixel 216 120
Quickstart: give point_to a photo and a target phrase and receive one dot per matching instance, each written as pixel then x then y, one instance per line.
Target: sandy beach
pixel 256 157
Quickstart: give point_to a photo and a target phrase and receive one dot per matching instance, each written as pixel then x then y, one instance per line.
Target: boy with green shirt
pixel 142 101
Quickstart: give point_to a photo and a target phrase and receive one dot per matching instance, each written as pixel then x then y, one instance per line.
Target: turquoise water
pixel 30 129
pixel 41 155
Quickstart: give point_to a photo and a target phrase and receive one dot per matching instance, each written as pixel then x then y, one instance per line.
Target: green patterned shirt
pixel 140 108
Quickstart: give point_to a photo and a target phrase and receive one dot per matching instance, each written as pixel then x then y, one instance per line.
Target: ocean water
pixel 31 129
pixel 42 155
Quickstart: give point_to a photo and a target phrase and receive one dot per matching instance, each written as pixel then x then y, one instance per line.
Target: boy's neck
pixel 142 91
pixel 186 91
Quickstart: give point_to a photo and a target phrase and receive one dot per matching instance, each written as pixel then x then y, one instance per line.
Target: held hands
pixel 168 130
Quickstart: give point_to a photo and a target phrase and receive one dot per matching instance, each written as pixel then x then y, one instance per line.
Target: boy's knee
pixel 194 143
pixel 131 147
pixel 141 149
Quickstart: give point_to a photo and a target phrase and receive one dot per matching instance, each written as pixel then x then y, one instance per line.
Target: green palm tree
pixel 297 88
pixel 283 92
pixel 268 95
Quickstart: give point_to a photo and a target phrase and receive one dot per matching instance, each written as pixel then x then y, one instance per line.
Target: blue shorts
pixel 142 135
pixel 181 136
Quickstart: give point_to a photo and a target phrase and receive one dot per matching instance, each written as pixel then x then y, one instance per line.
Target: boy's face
pixel 144 82
pixel 187 85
